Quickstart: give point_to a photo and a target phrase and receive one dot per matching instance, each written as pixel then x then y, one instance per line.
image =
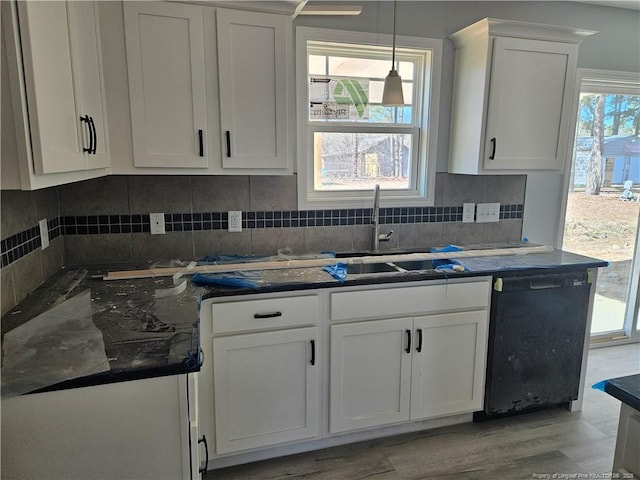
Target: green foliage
pixel 621 115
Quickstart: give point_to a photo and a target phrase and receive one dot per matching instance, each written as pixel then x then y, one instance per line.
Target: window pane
pixel 349 100
pixel 317 65
pixel 358 67
pixel 358 161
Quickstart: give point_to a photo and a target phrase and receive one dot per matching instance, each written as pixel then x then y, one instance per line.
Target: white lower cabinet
pixel 389 371
pixel 142 429
pixel 266 388
pixel 393 355
pixel 448 369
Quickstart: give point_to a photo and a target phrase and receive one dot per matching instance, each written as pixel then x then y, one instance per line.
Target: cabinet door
pixel 370 374
pixel 56 134
pixel 252 62
pixel 165 61
pixel 88 77
pixel 449 364
pixel 266 388
pixel 528 109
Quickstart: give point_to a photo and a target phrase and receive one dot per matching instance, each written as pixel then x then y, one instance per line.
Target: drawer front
pixel 265 313
pixel 404 301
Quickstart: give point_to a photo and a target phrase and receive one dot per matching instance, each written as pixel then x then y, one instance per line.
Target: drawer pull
pixel 408 349
pixel 313 352
pixel 419 346
pixel 267 315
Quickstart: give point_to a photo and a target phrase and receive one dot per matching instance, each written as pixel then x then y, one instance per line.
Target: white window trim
pixel 423 194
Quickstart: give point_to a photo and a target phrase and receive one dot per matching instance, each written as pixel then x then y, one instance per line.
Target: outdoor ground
pixel 603 227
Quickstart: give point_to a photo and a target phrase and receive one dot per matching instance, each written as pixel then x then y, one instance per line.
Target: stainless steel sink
pixel 415 265
pixel 359 268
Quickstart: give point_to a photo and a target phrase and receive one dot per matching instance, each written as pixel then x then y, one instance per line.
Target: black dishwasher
pixel 536 341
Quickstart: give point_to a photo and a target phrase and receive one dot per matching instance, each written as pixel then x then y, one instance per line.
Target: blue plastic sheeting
pixel 246 279
pixel 600 385
pixel 444 263
pixel 243 279
pixel 338 271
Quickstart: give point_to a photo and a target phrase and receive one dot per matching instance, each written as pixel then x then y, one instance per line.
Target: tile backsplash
pixel 106 220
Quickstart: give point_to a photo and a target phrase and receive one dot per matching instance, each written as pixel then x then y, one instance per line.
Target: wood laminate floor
pixel 570 445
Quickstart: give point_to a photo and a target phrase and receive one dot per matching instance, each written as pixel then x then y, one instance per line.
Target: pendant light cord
pixel 393 51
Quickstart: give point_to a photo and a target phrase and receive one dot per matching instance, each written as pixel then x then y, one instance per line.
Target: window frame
pixel 424 142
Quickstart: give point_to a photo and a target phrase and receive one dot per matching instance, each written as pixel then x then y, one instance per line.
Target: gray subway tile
pixel 158 193
pixel 46 203
pixel 221 242
pixel 6 290
pixel 27 274
pixel 505 189
pixel 463 188
pixel 92 249
pixel 170 246
pixel 53 257
pixel 99 196
pixel 462 233
pixel 334 239
pixel 221 193
pixel 273 192
pixel 503 231
pixel 17 211
pixel 420 235
pixel 267 241
pixel 440 186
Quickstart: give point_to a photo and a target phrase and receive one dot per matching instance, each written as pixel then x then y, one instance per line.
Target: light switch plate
pixel 468 212
pixel 488 212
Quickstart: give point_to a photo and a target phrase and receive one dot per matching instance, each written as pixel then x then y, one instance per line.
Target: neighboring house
pixel 375 158
pixel 621 160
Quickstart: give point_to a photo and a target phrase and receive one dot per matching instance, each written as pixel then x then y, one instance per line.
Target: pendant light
pixel 392 93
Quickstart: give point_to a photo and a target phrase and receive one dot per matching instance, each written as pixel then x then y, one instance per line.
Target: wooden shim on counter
pixel 323 262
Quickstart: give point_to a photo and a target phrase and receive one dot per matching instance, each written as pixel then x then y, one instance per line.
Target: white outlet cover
pixel 235 221
pixel 44 233
pixel 468 212
pixel 157 223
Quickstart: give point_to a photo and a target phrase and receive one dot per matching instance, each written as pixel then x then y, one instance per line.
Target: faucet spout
pixel 376 237
pixel 375 219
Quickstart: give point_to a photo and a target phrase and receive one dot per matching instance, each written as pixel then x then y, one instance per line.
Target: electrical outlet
pixel 44 233
pixel 488 212
pixel 157 223
pixel 468 212
pixel 235 221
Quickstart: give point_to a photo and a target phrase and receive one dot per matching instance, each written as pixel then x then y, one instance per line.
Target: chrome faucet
pixel 376 236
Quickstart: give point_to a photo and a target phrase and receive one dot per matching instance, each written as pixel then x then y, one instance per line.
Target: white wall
pixel 616 46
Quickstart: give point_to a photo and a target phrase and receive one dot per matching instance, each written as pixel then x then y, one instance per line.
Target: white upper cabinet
pixel 165 60
pixel 208 90
pixel 55 75
pixel 253 49
pixel 512 97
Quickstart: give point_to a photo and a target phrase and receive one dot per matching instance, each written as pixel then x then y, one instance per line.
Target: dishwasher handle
pixel 541 281
pixel 544 284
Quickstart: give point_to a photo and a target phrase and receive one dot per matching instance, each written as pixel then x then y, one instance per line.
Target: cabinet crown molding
pixel 512 28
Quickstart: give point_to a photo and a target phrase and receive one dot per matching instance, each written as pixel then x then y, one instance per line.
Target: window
pixel 347 140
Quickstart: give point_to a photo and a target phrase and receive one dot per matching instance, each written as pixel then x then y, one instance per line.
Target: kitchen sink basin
pixel 415 265
pixel 359 268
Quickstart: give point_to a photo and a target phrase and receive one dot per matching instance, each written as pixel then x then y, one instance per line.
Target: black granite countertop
pixel 626 389
pixel 503 265
pixel 133 335
pixel 138 335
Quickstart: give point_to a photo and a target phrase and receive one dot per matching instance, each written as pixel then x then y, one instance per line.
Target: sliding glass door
pixel 603 196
